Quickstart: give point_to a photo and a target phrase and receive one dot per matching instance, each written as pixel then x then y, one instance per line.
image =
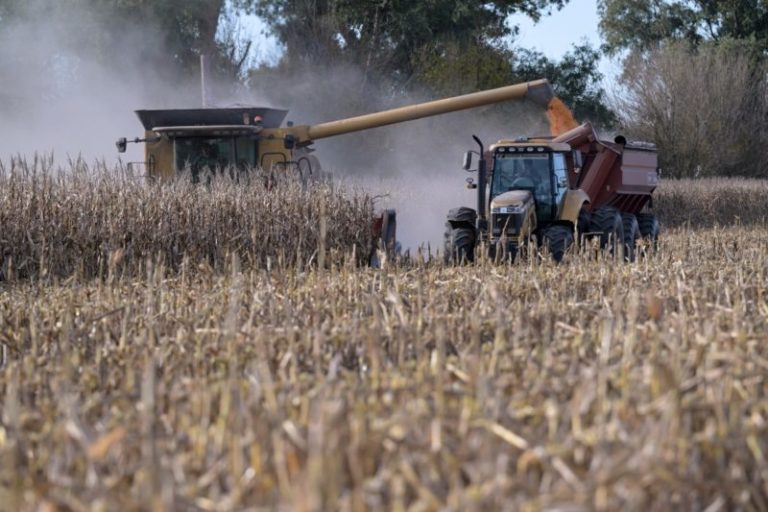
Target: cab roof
pixel 535 143
pixel 271 117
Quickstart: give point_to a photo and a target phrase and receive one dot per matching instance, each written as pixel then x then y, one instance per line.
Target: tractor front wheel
pixel 459 244
pixel 558 239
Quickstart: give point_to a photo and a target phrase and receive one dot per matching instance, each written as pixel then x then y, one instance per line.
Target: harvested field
pixel 589 385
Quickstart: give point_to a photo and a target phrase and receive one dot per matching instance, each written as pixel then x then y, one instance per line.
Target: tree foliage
pixel 390 37
pixel 575 79
pixel 643 24
pixel 705 110
pixel 445 47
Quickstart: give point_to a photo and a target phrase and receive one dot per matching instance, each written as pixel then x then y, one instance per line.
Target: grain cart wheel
pixel 631 235
pixel 649 228
pixel 582 226
pixel 607 221
pixel 459 244
pixel 558 239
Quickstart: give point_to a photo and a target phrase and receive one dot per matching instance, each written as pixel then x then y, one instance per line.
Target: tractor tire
pixel 459 245
pixel 607 221
pixel 558 239
pixel 631 235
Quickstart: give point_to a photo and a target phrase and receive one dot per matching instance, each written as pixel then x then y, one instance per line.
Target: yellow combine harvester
pixel 194 139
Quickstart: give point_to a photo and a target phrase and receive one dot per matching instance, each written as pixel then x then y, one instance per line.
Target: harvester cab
pixel 557 190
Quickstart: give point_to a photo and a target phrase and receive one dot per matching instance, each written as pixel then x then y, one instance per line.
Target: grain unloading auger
pixel 191 140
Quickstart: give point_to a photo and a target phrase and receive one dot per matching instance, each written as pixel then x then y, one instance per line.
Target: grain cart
pixel 553 190
pixel 243 137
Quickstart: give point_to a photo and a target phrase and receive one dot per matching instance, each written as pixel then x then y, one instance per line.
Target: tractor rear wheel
pixel 558 239
pixel 459 244
pixel 631 235
pixel 607 221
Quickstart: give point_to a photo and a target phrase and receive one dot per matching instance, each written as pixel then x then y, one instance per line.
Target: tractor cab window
pixel 525 171
pixel 561 176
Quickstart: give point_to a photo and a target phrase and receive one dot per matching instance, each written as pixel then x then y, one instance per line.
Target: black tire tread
pixel 649 226
pixel 631 235
pixel 558 239
pixel 459 244
pixel 608 222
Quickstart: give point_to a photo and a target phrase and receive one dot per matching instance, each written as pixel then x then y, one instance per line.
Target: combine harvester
pixel 192 140
pixel 557 190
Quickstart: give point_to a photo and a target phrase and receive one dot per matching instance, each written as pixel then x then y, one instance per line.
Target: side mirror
pixel 467 164
pixel 121 144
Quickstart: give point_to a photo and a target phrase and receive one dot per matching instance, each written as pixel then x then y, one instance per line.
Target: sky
pixel 555 35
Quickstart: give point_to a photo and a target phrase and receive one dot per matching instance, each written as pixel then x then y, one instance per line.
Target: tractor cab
pixel 528 181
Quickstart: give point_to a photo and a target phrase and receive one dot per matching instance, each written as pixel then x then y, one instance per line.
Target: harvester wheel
pixel 459 244
pixel 631 235
pixel 558 239
pixel 607 221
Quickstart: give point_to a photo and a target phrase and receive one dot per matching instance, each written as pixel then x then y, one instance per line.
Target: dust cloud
pixel 70 81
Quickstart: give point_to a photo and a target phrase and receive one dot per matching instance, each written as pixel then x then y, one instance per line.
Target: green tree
pixel 643 24
pixel 575 79
pixel 389 37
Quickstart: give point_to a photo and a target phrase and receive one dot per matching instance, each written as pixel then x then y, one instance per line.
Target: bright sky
pixel 553 35
pixel 556 34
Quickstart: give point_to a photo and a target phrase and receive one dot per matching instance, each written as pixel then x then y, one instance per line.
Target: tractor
pixel 556 192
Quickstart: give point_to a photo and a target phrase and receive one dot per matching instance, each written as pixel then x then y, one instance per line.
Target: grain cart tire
pixel 582 225
pixel 631 235
pixel 649 226
pixel 607 221
pixel 459 244
pixel 558 239
pixel 649 229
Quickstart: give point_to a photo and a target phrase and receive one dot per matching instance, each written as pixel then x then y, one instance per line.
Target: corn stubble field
pixel 182 365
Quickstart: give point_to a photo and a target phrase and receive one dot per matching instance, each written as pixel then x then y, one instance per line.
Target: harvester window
pixel 246 153
pixel 199 153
